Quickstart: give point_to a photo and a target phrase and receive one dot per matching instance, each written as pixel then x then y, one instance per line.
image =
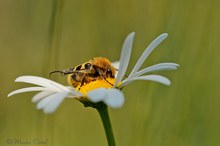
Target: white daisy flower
pixel 52 93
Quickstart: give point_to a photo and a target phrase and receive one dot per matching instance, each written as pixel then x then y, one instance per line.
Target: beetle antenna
pixel 63 73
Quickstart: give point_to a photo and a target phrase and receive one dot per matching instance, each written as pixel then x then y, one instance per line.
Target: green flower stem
pixel 103 112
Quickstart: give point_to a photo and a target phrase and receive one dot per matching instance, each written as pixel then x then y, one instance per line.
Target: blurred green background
pixel 39 36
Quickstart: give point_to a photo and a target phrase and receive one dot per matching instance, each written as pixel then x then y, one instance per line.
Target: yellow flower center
pixel 102 83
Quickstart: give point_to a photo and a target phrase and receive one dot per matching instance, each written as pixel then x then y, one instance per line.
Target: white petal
pixel 54 98
pixel 41 82
pixel 55 102
pixel 114 99
pixel 73 93
pixel 147 52
pixel 45 101
pixel 40 96
pixel 97 95
pixel 157 67
pixel 37 97
pixel 155 78
pixel 116 65
pixel 28 89
pixel 125 57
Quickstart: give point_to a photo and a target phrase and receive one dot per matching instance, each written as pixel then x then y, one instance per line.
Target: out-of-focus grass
pixel 184 114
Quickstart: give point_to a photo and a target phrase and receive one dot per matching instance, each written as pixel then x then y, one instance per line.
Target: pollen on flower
pixel 85 88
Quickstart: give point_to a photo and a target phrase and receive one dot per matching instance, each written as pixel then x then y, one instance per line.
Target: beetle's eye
pixel 109 71
pixel 88 65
